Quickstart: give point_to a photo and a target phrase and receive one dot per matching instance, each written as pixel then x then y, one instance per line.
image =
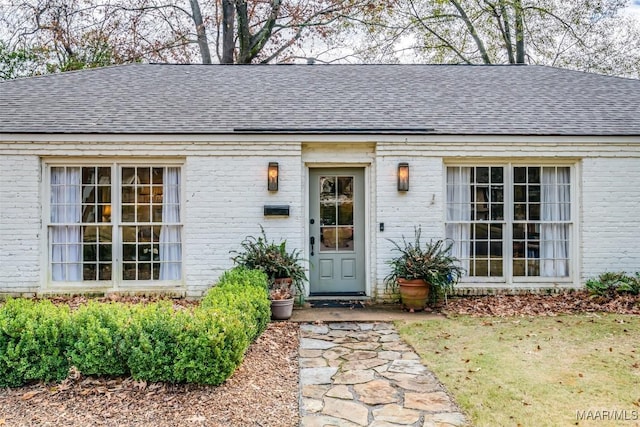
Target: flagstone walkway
pixel 363 374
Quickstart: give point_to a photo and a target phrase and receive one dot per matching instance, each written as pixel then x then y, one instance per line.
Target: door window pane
pixel 336 213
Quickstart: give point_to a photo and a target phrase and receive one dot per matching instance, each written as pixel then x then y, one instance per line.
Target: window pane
pixel 328 237
pixel 144 176
pixel 519 175
pixel 328 213
pixel 497 175
pixel 345 238
pixel 497 211
pixel 534 193
pixel 534 175
pixel 345 213
pixel 327 188
pixel 157 177
pixel 520 193
pixel 482 175
pixel 104 272
pixel 534 212
pixel 345 187
pixel 518 231
pixel 157 214
pixel 496 231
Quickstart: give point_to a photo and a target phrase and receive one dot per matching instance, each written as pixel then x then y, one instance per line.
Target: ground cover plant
pixel 535 371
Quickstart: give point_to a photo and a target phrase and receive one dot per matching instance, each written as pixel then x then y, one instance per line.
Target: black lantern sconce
pixel 403 176
pixel 272 176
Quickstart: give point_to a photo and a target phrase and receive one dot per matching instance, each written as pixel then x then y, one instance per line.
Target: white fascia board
pixel 324 138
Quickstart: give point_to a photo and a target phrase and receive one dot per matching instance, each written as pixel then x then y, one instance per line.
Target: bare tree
pixel 590 35
pixel 72 34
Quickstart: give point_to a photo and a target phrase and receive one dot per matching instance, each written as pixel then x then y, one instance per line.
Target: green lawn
pixel 536 371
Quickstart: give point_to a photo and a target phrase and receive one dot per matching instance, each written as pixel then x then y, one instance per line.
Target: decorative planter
pixel 281 309
pixel 414 294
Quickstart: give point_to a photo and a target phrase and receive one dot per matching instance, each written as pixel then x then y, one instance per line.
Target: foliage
pixel 211 344
pixel 152 342
pixel 97 344
pixel 82 33
pixel 202 346
pixel 16 62
pixel 431 262
pixel 585 35
pixel 244 291
pixel 33 340
pixel 272 258
pixel 609 284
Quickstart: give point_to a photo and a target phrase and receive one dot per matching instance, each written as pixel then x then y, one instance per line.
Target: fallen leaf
pixel 30 394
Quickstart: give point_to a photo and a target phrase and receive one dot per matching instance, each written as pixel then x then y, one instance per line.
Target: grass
pixel 538 371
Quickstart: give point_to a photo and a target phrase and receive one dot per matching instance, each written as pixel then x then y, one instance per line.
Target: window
pixel 115 223
pixel 510 220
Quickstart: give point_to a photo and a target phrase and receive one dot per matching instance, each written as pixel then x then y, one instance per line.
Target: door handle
pixel 312 240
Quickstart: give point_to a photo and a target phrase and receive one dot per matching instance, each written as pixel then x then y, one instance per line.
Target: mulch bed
pixel 543 305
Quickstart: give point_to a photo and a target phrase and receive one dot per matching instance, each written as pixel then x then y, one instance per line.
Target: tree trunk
pixel 228 25
pixel 519 14
pixel 203 42
pixel 472 31
pixel 506 31
pixel 244 36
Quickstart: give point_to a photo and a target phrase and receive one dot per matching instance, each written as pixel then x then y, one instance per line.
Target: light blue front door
pixel 337 243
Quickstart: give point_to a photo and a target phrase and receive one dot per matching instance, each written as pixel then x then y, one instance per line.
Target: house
pixel 143 177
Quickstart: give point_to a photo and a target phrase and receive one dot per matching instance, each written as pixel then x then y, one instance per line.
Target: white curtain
pixel 556 207
pixel 66 239
pixel 459 209
pixel 170 241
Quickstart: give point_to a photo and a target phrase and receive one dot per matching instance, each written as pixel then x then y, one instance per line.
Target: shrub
pixel 246 292
pixel 211 344
pixel 151 342
pixel 33 340
pixel 200 345
pixel 610 284
pixel 97 345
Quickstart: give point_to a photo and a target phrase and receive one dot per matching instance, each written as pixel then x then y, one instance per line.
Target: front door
pixel 337 252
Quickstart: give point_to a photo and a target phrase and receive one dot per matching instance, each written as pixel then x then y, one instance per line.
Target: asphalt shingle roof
pixel 214 99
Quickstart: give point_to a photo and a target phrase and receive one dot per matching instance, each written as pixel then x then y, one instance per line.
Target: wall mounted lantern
pixel 403 176
pixel 272 176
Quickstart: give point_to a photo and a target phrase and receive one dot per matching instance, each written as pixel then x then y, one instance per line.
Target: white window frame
pixel 508 278
pixel 116 282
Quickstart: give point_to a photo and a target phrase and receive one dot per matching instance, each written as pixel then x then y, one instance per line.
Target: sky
pixel 634 9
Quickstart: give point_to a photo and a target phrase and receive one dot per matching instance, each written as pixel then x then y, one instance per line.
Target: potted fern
pixel 422 271
pixel 283 268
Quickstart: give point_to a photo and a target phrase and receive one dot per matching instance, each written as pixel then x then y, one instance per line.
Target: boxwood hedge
pixel 39 341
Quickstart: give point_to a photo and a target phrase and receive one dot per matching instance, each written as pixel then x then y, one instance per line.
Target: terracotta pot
pixel 281 309
pixel 414 294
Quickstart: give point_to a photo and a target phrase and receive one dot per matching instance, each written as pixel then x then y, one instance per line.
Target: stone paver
pixel 363 374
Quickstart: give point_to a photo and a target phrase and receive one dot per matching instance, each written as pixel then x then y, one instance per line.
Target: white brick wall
pixel 19 224
pixel 400 212
pixel 225 190
pixel 610 215
pixel 224 203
